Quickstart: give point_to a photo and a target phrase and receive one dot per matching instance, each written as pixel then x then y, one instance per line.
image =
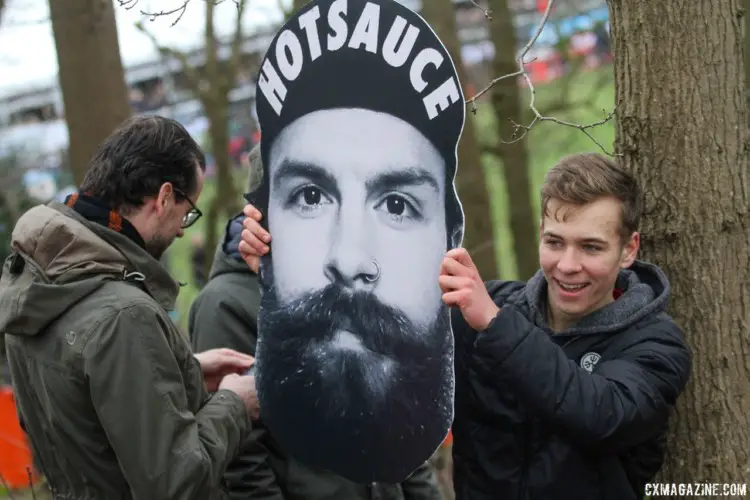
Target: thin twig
pixel 180 11
pixel 525 50
pixel 127 4
pixel 541 118
pixel 31 483
pixel 487 12
pixel 538 117
pixel 489 86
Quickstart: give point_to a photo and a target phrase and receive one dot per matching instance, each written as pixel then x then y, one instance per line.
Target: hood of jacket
pixel 643 291
pixel 227 258
pixel 58 258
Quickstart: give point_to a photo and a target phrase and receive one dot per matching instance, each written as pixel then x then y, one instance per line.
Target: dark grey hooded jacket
pixel 578 414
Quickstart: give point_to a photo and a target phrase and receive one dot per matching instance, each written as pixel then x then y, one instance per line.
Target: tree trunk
pixel 507 107
pixel 211 234
pixel 682 129
pixel 472 186
pixel 226 200
pixel 91 75
pixel 746 34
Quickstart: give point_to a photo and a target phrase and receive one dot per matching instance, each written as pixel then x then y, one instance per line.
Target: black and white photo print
pixel 360 111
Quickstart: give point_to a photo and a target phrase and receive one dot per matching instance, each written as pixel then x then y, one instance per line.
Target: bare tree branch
pixel 540 118
pixel 180 11
pixel 209 44
pixel 521 130
pixel 236 52
pixel 487 12
pixel 212 66
pixel 192 75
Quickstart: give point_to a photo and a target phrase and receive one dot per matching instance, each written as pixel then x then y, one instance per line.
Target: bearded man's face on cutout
pixel 359 234
pixel 355 349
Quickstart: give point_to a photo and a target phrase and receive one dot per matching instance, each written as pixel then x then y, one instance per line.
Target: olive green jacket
pixel 106 386
pixel 225 315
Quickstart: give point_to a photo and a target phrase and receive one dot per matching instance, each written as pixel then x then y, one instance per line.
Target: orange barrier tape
pixel 15 455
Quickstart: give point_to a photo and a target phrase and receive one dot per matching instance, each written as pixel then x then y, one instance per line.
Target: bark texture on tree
pixel 507 105
pixel 746 34
pixel 220 78
pixel 91 76
pixel 479 238
pixel 682 129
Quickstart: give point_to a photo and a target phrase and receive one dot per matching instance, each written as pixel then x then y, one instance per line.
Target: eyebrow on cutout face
pixel 385 181
pixel 316 174
pixel 399 178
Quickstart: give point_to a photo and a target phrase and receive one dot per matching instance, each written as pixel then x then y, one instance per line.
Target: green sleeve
pixel 224 315
pixel 137 388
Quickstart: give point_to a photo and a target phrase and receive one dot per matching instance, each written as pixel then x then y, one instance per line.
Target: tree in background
pixel 515 115
pixel 479 237
pixel 92 80
pixel 508 108
pixel 682 128
pixel 746 34
pixel 212 84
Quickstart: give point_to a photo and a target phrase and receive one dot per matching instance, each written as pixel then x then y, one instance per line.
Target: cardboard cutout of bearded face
pixel 360 111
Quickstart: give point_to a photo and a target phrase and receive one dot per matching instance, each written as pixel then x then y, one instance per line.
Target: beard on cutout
pixel 372 407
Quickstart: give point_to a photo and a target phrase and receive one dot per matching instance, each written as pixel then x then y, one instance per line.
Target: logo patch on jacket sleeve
pixel 589 361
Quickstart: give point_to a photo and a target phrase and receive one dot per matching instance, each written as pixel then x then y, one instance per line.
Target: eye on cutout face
pixel 343 200
pixel 395 209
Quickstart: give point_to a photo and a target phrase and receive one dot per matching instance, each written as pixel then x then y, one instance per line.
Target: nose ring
pixel 370 278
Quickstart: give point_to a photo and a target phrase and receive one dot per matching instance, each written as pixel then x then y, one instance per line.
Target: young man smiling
pixel 564 384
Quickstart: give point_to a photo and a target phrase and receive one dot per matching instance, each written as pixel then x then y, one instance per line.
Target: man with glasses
pixel 192 215
pixel 114 402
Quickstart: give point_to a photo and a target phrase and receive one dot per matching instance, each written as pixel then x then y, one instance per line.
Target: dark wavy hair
pixel 143 153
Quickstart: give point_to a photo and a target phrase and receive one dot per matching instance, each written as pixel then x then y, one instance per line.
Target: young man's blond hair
pixel 583 178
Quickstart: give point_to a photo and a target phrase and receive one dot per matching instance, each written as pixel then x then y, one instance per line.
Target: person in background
pixel 198 259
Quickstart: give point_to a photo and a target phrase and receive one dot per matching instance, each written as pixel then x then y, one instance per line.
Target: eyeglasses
pixel 192 215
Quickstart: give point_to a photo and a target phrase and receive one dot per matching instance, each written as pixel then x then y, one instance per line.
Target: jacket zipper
pixel 527 449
